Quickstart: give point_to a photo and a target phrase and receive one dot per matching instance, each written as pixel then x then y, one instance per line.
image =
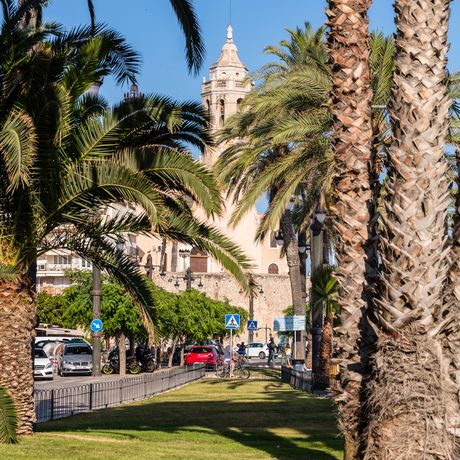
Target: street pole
pixel 97 293
pixel 316 255
pixel 251 316
pixel 231 353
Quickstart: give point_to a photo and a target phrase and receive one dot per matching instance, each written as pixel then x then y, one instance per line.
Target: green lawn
pixel 211 419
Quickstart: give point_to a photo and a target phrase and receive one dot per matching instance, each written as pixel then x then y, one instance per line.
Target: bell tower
pixel 226 88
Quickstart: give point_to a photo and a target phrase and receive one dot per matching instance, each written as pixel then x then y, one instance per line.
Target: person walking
pixel 271 352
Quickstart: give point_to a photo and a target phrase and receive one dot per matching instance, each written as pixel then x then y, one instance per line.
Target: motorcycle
pixel 146 359
pixel 112 366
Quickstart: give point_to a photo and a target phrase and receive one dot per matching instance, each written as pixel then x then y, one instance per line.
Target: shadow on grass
pixel 284 423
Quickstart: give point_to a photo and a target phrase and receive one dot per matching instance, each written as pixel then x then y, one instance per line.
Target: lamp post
pixel 96 336
pixel 188 278
pixel 316 256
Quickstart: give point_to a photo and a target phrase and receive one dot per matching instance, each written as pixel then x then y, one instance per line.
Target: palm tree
pixel 408 365
pixel 326 292
pixel 65 157
pixel 268 142
pixel 349 49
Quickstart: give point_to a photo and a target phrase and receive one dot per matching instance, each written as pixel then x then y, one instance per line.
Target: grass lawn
pixel 210 419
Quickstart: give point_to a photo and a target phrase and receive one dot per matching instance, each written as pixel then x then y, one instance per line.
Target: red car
pixel 206 354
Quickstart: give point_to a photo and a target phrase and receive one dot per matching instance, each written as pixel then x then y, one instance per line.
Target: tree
pixel 326 298
pixel 65 157
pixel 410 309
pixel 277 144
pixel 191 317
pixel 349 50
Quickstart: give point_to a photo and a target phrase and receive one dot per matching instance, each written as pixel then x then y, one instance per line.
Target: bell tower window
pixel 221 112
pixel 238 105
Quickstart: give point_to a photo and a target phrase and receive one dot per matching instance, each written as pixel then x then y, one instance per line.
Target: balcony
pixel 46 267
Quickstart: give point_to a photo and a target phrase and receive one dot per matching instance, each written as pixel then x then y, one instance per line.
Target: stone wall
pixel 269 304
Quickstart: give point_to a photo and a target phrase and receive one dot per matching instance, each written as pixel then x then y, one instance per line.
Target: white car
pixel 257 350
pixel 43 368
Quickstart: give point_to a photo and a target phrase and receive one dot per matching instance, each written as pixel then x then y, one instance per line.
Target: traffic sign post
pixel 232 321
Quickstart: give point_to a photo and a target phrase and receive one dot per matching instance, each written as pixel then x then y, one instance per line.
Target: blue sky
pixel 150 27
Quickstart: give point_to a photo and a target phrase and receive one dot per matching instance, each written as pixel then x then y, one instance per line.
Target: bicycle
pixel 239 371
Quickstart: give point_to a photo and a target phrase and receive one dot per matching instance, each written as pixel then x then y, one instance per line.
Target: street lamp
pixel 316 256
pixel 188 278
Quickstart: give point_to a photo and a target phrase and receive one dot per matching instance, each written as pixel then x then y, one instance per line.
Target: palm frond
pixel 8 420
pixel 188 22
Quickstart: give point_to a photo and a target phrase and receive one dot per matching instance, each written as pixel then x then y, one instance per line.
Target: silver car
pixel 75 358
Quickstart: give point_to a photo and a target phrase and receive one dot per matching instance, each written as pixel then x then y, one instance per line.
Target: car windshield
pixel 77 351
pixel 200 350
pixel 39 354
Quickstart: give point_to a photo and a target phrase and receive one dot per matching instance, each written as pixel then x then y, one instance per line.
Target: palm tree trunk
pixel 291 249
pixel 17 317
pixel 325 352
pixel 451 339
pixel 408 401
pixel 349 46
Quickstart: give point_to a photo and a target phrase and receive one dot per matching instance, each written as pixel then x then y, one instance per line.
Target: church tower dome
pixel 226 88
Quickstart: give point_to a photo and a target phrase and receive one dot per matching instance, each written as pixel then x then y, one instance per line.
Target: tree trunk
pixel 17 317
pixel 451 335
pixel 122 353
pixel 171 354
pixel 182 354
pixel 349 47
pixel 174 256
pixel 293 261
pixel 325 353
pixel 408 399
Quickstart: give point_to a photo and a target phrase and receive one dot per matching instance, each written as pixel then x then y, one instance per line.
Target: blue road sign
pixel 96 325
pixel 232 321
pixel 252 325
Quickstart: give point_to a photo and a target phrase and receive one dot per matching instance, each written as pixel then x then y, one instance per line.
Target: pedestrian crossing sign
pixel 252 325
pixel 232 321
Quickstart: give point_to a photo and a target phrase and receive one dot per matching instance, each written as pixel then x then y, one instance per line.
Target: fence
pixel 297 379
pixel 63 402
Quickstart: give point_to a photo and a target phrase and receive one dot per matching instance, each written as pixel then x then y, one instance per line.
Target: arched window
pixel 222 112
pixel 273 269
pixel 208 108
pixel 238 105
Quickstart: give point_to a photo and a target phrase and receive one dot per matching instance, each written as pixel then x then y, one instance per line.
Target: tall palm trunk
pixel 349 46
pixel 325 351
pixel 17 317
pixel 291 249
pixel 408 401
pixel 451 333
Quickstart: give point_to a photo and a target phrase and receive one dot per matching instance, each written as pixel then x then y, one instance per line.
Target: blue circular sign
pixel 96 325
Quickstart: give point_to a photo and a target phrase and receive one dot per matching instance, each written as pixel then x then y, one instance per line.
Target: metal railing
pixel 63 402
pixel 297 379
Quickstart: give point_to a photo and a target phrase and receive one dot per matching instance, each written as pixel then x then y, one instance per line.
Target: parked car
pixel 43 368
pixel 257 350
pixel 75 358
pixel 206 354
